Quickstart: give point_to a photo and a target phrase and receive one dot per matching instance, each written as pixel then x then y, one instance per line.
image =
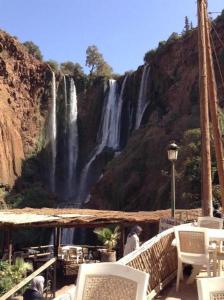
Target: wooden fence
pixel 158 258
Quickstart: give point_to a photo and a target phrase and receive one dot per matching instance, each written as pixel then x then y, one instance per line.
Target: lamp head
pixel 172 151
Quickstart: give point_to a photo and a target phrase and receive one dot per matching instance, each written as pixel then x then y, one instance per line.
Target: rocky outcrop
pixel 138 178
pixel 23 106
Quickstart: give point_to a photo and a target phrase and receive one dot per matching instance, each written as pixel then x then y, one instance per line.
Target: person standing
pixel 35 292
pixel 132 242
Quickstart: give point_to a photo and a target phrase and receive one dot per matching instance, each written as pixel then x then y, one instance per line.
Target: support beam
pixel 213 105
pixel 56 246
pixel 122 241
pixel 9 244
pixel 206 193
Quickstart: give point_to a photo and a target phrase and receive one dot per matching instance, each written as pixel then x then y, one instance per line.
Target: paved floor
pixel 186 292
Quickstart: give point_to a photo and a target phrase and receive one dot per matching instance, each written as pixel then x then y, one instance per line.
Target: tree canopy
pixel 95 61
pixel 72 69
pixel 53 65
pixel 33 49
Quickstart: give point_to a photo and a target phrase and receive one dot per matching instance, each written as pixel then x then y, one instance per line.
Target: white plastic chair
pixel 214 223
pixel 192 248
pixel 210 222
pixel 210 288
pixel 110 281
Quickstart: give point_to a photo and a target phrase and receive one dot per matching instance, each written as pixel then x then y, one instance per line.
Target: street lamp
pixel 172 156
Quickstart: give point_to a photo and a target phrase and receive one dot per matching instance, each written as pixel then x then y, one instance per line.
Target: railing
pixel 158 258
pixel 26 280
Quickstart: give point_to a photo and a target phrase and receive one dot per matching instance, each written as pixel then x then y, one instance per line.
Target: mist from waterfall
pixel 107 135
pixel 73 141
pixel 53 133
pixel 142 97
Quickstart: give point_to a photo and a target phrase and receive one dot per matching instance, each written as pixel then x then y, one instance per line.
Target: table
pixel 216 235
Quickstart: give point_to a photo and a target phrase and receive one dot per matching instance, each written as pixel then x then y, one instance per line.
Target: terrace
pixel 156 256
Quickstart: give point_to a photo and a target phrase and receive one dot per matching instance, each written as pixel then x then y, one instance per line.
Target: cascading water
pixel 66 105
pixel 142 97
pixel 73 145
pixel 53 134
pixel 107 136
pixel 119 114
pixel 71 114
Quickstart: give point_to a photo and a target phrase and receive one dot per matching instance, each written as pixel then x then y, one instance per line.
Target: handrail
pixel 158 258
pixel 28 279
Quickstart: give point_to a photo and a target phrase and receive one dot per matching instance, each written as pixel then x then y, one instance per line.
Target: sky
pixel 123 30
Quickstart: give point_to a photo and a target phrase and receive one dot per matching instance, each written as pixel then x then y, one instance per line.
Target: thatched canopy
pixel 48 217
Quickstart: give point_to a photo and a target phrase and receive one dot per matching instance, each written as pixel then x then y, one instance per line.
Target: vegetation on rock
pixel 53 65
pixel 33 49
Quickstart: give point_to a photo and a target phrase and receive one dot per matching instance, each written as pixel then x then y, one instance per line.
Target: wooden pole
pixel 122 241
pixel 56 245
pixel 213 105
pixel 206 193
pixel 9 244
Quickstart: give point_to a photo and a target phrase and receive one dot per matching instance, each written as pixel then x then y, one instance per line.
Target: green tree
pixel 186 24
pixel 72 69
pixel 95 61
pixel 53 65
pixel 33 49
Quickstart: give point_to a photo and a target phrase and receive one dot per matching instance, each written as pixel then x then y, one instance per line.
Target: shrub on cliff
pixel 35 196
pixel 33 49
pixel 72 69
pixel 149 55
pixel 174 37
pixel 53 65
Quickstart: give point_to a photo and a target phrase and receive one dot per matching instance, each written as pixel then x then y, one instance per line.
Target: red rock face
pixel 138 179
pixel 22 82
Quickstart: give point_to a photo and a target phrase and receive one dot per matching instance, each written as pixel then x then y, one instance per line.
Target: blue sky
pixel 123 30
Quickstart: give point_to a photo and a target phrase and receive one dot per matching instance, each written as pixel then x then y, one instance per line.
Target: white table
pixel 216 235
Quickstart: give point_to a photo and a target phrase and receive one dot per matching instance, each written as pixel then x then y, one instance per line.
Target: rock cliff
pixel 138 178
pixel 23 106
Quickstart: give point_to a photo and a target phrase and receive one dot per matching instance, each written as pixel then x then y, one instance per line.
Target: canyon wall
pixel 24 105
pixel 134 175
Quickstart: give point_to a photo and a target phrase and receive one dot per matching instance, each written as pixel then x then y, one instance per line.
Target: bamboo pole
pixel 206 192
pixel 213 105
pixel 28 279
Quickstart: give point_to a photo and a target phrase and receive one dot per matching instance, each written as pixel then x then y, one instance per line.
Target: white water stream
pixel 142 97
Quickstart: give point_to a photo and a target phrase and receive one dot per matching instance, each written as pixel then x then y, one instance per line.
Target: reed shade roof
pixel 48 217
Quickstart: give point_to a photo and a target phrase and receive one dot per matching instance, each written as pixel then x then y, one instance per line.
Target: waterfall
pixel 72 137
pixel 53 133
pixel 66 105
pixel 119 114
pixel 107 134
pixel 142 97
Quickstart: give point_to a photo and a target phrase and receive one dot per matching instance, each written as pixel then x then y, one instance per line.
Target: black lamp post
pixel 172 156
